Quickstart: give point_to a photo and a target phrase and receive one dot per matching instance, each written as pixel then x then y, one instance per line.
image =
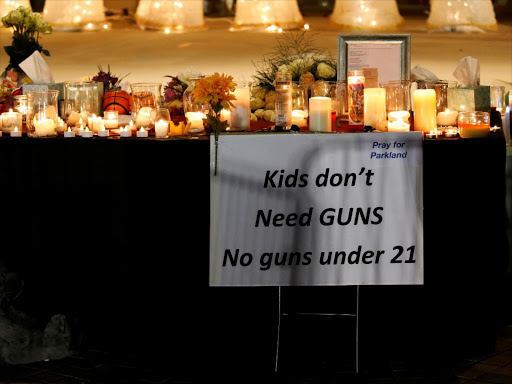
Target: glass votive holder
pixel 300 105
pixel 111 119
pixel 474 125
pixel 21 106
pixel 398 95
pixel 498 98
pixel 161 119
pixel 10 120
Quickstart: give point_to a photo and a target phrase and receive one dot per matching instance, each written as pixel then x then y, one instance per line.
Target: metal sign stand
pixel 356 315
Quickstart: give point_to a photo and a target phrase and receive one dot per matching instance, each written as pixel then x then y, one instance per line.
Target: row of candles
pixel 85 125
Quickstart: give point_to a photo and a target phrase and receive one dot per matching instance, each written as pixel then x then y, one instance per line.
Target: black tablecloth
pixel 114 233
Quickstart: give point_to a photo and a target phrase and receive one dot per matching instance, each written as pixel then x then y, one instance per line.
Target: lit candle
pixel 447 118
pixel 300 118
pixel 16 132
pixel 98 125
pixel 126 132
pixel 355 87
pixel 320 114
pixel 161 128
pixel 225 115
pixel 143 118
pixel 176 130
pixel 375 108
pixel 474 125
pixel 74 118
pixel 398 121
pixel 432 134
pixel 451 133
pixel 90 121
pixel 69 133
pixel 86 134
pixel 10 120
pixel 495 129
pixel 196 120
pixel 103 132
pixel 142 133
pixel 131 126
pixel 111 119
pixel 44 127
pixel 241 112
pixel 62 126
pixel 425 104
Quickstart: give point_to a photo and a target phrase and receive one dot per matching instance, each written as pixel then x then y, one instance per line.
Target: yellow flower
pixel 26 80
pixel 215 90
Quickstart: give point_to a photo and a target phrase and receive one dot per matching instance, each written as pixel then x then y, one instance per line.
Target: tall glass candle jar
pixel 322 88
pixel 20 105
pixel 145 98
pixel 300 105
pixel 355 90
pixel 194 112
pixel 498 98
pixel 284 105
pixel 474 125
pixel 241 110
pixel 42 116
pixel 441 89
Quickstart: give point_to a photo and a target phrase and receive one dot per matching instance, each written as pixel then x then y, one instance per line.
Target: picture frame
pixel 390 54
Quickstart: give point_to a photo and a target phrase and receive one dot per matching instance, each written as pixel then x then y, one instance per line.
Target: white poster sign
pixel 325 209
pixel 386 57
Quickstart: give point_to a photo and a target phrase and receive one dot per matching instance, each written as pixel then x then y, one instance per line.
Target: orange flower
pixel 215 90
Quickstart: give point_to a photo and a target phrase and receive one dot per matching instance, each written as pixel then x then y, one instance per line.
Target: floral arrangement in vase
pixel 114 99
pixel 216 91
pixel 296 54
pixel 27 28
pixel 174 90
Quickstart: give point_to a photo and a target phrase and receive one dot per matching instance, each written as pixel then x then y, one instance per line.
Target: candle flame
pixel 16 129
pixel 10 110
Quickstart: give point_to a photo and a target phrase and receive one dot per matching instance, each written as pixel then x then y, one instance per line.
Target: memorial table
pixel 114 233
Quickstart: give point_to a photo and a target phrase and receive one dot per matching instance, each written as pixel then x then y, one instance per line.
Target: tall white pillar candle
pixel 425 110
pixel 375 108
pixel 320 114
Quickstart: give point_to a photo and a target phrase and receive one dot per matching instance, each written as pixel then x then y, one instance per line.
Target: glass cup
pixel 145 98
pixel 474 125
pixel 10 120
pixel 398 95
pixel 21 106
pixel 498 98
pixel 111 119
pixel 161 119
pixel 42 115
pixel 194 113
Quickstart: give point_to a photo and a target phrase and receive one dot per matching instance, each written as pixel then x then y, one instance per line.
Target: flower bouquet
pixel 295 54
pixel 173 96
pixel 216 91
pixel 27 27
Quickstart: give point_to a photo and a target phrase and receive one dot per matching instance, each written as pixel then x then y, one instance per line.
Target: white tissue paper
pixel 418 73
pixel 36 68
pixel 467 72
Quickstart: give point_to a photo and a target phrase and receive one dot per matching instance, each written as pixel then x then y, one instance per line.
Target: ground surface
pixel 149 56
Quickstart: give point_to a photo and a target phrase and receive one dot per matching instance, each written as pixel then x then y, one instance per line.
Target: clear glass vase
pixel 194 112
pixel 145 98
pixel 42 114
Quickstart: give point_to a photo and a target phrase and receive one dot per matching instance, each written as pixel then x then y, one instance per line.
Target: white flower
pixel 325 71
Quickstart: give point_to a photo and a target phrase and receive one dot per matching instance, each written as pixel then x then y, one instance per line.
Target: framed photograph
pixel 383 57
